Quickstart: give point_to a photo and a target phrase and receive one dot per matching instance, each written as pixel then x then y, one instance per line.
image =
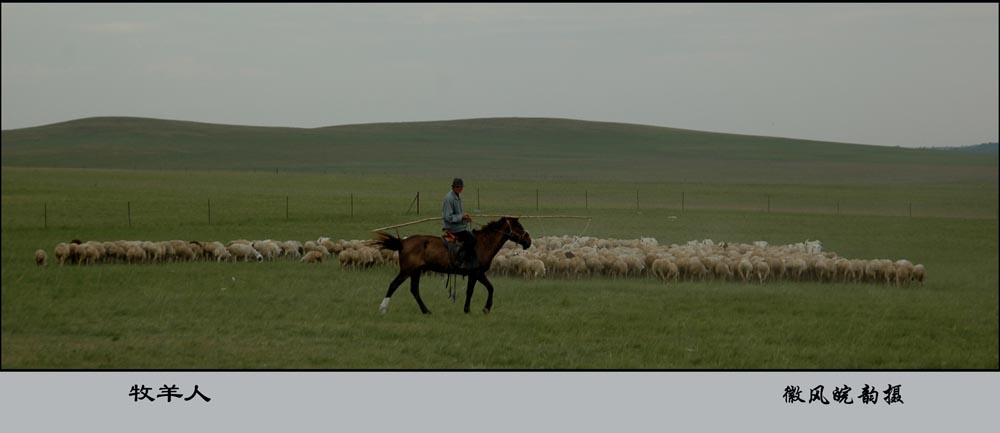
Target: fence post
pixel 129 214
pixel 418 202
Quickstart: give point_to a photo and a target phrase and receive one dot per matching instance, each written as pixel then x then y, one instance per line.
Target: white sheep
pixel 535 268
pixel 154 251
pixel 62 252
pixel 197 249
pixel 665 269
pixel 696 269
pixel 903 270
pixel 722 270
pixel 292 249
pixel 212 249
pixel 135 254
pixel 41 257
pixel 268 249
pixel 223 255
pixel 919 274
pixel 745 269
pixel 761 269
pixel 91 254
pixel 796 267
pixel 245 252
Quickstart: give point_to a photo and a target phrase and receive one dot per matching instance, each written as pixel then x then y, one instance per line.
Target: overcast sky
pixel 889 74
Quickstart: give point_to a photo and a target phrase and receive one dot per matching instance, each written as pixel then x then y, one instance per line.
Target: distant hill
pixel 522 148
pixel 990 148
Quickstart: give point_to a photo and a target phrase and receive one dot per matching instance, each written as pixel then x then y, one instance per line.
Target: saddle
pixel 454 247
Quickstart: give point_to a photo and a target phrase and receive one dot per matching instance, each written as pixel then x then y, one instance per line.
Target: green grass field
pixel 288 315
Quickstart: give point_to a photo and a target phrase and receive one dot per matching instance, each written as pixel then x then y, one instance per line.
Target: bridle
pixel 510 234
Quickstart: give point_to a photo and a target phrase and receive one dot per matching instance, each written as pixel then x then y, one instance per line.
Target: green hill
pixel 536 148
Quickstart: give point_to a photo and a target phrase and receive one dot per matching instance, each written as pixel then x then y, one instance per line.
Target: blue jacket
pixel 452 212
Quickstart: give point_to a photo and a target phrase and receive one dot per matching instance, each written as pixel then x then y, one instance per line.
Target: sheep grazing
pixel 197 248
pixel 223 255
pixel 328 244
pixel 722 270
pixel 135 254
pixel 291 249
pixel 762 270
pixel 665 270
pixel 90 254
pixel 534 268
pixel 695 269
pixel 919 274
pixel 211 249
pixel 154 251
pixel 745 269
pixel 41 257
pixel 549 257
pixel 313 257
pixel 268 249
pixel 902 272
pixel 777 265
pixel 245 252
pixel 62 253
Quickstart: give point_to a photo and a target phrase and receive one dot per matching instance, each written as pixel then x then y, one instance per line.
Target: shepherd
pixel 418 254
pixel 455 226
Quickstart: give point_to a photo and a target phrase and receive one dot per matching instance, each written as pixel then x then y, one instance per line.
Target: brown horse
pixel 418 254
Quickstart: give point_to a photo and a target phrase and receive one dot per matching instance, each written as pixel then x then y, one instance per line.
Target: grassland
pixel 287 315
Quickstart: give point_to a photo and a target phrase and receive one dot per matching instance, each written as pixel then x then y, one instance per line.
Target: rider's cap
pixel 456 182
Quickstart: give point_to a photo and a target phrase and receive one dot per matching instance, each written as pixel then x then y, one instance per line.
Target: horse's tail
pixel 389 242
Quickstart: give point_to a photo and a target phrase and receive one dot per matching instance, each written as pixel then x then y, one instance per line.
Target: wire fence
pixel 237 209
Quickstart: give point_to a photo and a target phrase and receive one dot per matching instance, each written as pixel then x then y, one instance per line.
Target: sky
pixel 910 75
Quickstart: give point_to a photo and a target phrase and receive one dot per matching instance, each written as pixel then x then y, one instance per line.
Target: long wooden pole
pixel 496 216
pixel 537 216
pixel 407 224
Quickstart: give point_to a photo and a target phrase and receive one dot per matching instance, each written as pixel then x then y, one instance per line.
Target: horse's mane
pixel 497 225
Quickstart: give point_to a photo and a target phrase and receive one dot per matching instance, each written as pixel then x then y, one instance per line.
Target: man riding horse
pixel 419 254
pixel 455 220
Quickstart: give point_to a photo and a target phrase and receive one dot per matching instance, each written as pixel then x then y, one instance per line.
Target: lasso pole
pixel 493 216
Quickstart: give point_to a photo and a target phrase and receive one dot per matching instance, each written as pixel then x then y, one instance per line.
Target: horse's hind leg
pixel 415 289
pixel 384 307
pixel 489 297
pixel 468 292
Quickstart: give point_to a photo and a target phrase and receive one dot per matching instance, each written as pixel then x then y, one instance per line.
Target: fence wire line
pixel 133 212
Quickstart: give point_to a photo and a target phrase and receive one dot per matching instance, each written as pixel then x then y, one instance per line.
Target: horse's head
pixel 516 232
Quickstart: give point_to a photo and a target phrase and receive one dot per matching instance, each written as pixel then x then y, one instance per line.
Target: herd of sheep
pixel 145 252
pixel 549 257
pixel 759 262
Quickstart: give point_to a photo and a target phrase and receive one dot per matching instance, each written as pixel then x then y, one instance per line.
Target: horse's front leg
pixel 489 297
pixel 468 292
pixel 415 290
